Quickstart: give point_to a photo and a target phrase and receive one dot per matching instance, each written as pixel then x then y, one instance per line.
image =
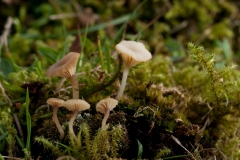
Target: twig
pixel 179 27
pixel 64 157
pixel 159 15
pixel 140 109
pixel 7 99
pixel 179 143
pixel 3 38
pixel 7 27
pixel 64 15
pixel 15 158
pixel 18 125
pixel 41 107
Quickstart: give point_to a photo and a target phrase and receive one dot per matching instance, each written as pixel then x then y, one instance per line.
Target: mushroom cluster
pixel 131 52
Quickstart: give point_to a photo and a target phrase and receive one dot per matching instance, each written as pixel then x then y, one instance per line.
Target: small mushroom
pixel 132 53
pixel 66 68
pixel 105 106
pixel 56 103
pixel 75 105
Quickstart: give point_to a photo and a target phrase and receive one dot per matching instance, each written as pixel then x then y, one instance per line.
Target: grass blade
pixel 20 142
pixel 100 52
pixel 28 119
pixel 114 22
pixel 178 156
pixel 3 135
pixel 140 149
pixel 82 44
pixel 108 56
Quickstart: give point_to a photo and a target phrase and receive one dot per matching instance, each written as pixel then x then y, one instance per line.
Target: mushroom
pixel 105 106
pixel 56 103
pixel 66 68
pixel 75 105
pixel 132 53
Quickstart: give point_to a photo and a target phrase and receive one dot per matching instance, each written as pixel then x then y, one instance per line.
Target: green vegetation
pixel 181 104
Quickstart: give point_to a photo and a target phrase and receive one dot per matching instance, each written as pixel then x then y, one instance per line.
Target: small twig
pixel 18 125
pixel 210 109
pixel 41 107
pixel 65 157
pixel 64 16
pixel 15 158
pixel 179 27
pixel 3 37
pixel 140 109
pixel 159 15
pixel 7 99
pixel 179 143
pixel 7 27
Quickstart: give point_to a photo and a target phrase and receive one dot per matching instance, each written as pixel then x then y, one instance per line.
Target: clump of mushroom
pixel 66 68
pixel 132 53
pixel 105 106
pixel 75 105
pixel 56 103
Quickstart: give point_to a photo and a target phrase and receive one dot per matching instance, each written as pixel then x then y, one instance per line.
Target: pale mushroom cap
pixel 55 102
pixel 65 67
pixel 76 104
pixel 133 52
pixel 109 103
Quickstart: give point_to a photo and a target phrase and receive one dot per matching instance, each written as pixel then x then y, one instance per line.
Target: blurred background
pixel 164 25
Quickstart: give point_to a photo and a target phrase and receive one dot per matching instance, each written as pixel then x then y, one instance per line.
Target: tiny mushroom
pixel 66 68
pixel 132 53
pixel 75 105
pixel 105 106
pixel 56 103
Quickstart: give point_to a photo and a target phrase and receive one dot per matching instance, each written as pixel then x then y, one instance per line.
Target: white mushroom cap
pixel 55 102
pixel 133 52
pixel 65 67
pixel 76 104
pixel 109 103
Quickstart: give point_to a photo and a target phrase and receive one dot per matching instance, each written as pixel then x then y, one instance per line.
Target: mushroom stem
pixel 56 121
pixel 59 86
pixel 123 83
pixel 70 124
pixel 106 115
pixel 75 87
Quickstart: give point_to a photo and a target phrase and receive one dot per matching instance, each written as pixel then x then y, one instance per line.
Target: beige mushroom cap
pixel 109 103
pixel 133 52
pixel 55 102
pixel 65 67
pixel 76 104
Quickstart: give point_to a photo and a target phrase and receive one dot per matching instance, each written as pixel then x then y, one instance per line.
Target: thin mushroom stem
pixel 70 124
pixel 75 87
pixel 56 121
pixel 59 86
pixel 106 115
pixel 123 83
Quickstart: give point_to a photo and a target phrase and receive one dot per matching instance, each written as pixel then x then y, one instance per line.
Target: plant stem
pixel 123 84
pixel 56 121
pixel 106 115
pixel 70 124
pixel 75 87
